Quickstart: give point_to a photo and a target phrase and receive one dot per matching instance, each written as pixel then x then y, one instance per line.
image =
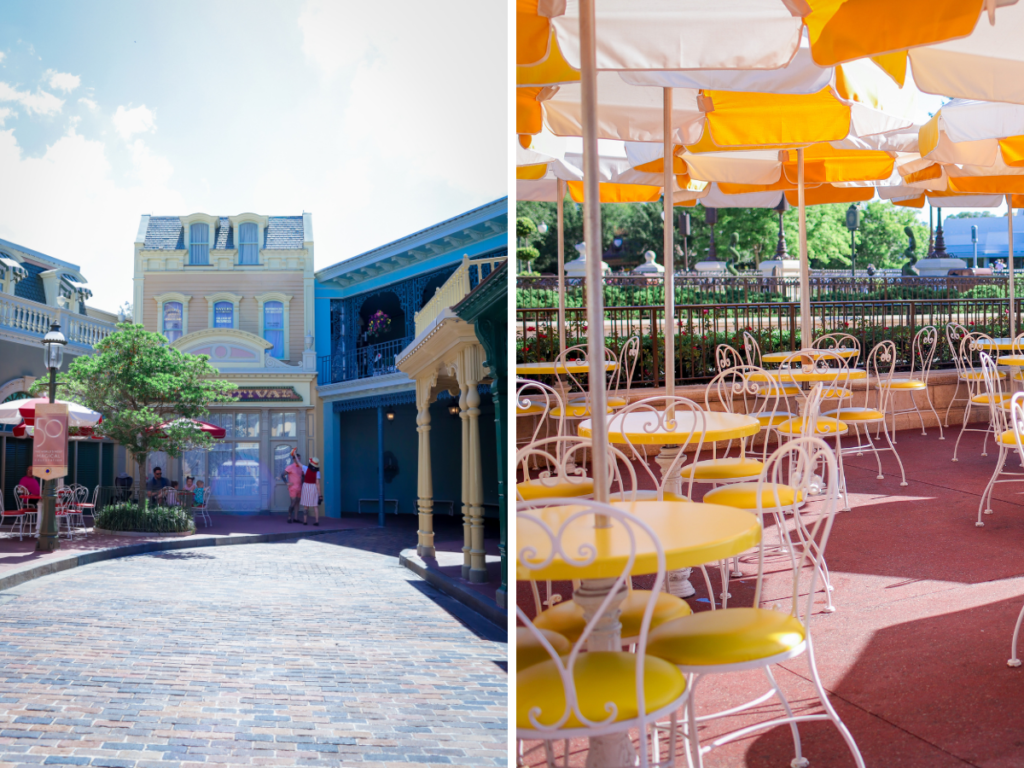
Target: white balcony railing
pixel 33 318
pixel 455 289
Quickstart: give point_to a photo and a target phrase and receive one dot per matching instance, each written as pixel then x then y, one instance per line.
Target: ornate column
pixel 470 374
pixel 425 481
pixel 467 536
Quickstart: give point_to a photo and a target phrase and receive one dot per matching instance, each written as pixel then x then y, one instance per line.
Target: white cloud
pixel 92 105
pixel 40 102
pixel 152 170
pixel 62 81
pixel 2 57
pixel 4 114
pixel 128 122
pixel 69 205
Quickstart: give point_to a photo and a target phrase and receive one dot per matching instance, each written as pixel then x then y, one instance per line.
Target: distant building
pixel 35 291
pixel 239 289
pixel 993 239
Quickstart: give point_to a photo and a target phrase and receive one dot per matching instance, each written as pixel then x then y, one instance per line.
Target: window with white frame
pixel 172 320
pixel 223 314
pixel 199 244
pixel 248 243
pixel 232 466
pixel 273 327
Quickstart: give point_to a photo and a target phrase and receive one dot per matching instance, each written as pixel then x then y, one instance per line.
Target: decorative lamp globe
pixel 53 347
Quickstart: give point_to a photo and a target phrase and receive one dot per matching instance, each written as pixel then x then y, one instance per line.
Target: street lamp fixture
pixel 389 414
pixel 711 217
pixel 48 539
pixel 974 242
pixel 780 247
pixel 940 240
pixel 453 410
pixel 543 227
pixel 852 224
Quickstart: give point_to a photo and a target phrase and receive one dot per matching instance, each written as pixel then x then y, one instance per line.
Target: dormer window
pixel 199 244
pixel 223 314
pixel 172 320
pixel 248 243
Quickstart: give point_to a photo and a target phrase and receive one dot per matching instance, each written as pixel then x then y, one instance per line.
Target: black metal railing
pixel 361 363
pixel 776 326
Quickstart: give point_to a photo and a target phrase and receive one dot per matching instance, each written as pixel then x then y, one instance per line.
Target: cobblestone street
pixel 314 652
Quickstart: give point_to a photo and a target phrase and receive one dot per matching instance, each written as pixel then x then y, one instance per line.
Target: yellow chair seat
pixel 836 393
pixel 855 414
pixel 772 419
pixel 905 384
pixel 983 399
pixel 653 496
pixel 1006 438
pixel 977 375
pixel 729 636
pixel 531 409
pixel 566 617
pixel 824 426
pixel 600 677
pixel 611 402
pixel 529 651
pixel 744 495
pixel 1018 376
pixel 553 489
pixel 781 390
pixel 723 469
pixel 577 411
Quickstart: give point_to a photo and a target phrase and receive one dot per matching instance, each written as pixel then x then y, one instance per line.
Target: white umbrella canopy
pixel 16 411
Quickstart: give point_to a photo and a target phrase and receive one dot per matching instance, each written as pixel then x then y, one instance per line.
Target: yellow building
pixel 239 289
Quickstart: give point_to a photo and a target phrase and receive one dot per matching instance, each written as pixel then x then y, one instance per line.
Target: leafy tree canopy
pixel 880 239
pixel 137 381
pixel 971 215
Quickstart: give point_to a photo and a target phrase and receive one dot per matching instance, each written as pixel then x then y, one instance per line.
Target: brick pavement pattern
pixel 311 652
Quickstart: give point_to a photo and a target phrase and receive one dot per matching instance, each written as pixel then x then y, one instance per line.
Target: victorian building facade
pixel 240 290
pixel 37 290
pixel 371 314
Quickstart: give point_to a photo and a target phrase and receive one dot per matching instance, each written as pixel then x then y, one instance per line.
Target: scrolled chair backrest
pixel 972 346
pixel 20 492
pixel 839 341
pixel 726 357
pixel 562 460
pixel 1016 421
pixel 808 467
pixel 751 349
pixel 922 351
pixel 531 393
pixel 1017 346
pixel 65 499
pixel 557 539
pixel 955 334
pixel 736 389
pixel 880 366
pixel 994 389
pixel 830 368
pixel 629 356
pixel 661 413
pixel 578 354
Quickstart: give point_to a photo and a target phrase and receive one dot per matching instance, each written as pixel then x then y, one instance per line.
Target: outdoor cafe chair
pixel 597 692
pixel 1005 428
pixel 922 354
pixel 203 510
pixel 838 341
pixel 25 505
pixel 563 469
pixel 982 392
pixel 537 401
pixel 965 373
pixel 1016 433
pixel 740 639
pixel 65 509
pixel 623 372
pixel 881 363
pixel 742 389
pixel 752 350
pixel 17 518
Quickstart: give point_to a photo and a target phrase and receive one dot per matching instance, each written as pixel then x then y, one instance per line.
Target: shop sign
pixel 50 441
pixel 267 395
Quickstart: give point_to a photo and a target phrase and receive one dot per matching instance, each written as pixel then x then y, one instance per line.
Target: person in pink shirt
pixel 31 483
pixel 293 472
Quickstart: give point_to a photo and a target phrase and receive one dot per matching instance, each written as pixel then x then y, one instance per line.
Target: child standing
pixel 311 491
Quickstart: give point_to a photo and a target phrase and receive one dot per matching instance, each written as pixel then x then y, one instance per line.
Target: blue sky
pixel 379 118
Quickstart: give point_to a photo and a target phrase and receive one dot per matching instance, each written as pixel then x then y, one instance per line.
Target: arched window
pixel 172 319
pixel 199 244
pixel 248 244
pixel 273 327
pixel 223 315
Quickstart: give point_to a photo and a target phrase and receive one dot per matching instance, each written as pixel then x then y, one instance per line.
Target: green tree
pixel 137 381
pixel 971 215
pixel 881 240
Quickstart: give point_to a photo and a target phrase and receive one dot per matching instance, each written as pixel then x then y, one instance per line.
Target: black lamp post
pixel 684 231
pixel 53 355
pixel 974 242
pixel 940 241
pixel 852 224
pixel 711 217
pixel 780 247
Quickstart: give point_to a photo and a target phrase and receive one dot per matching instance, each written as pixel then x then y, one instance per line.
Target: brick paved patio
pixel 312 652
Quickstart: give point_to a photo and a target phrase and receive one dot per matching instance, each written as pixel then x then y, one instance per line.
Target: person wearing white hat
pixel 311 495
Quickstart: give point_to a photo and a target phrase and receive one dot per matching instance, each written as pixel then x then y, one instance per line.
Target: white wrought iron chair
pixel 16 517
pixel 1000 412
pixel 741 639
pixel 65 510
pixel 922 354
pixel 627 360
pixel 752 350
pixel 201 510
pixel 25 506
pixel 972 346
pixel 965 374
pixel 538 401
pixel 1016 420
pixel 881 363
pixel 604 691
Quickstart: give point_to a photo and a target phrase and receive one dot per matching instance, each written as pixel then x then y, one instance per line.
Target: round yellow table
pixel 779 357
pixel 633 428
pixel 1002 344
pixel 576 367
pixel 799 376
pixel 1014 363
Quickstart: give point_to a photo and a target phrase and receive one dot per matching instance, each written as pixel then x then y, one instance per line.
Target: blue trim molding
pixel 378 401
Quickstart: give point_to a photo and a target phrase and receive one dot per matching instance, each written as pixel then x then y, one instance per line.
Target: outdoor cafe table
pixel 638 429
pixel 691 534
pixel 1013 362
pixel 577 367
pixel 780 357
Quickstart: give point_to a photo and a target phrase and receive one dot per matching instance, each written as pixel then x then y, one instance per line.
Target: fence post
pixel 913 317
pixel 792 328
pixel 654 344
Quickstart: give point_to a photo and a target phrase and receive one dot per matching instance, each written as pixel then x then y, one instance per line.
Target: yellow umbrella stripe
pixel 933 171
pixel 1012 148
pixel 529 118
pixel 617 193
pixel 894 65
pixel 550 70
pixel 826 193
pixel 658 166
pixel 836 165
pixel 531 172
pixel 760 119
pixel 533 33
pixel 991 185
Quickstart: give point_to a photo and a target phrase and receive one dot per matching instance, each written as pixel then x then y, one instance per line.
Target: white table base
pixel 676 582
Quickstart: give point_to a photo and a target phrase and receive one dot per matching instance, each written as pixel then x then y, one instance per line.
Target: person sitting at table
pixel 31 483
pixel 171 494
pixel 199 493
pixel 156 484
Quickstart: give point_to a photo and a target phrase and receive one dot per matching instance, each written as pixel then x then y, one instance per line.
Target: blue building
pixel 372 310
pixel 993 239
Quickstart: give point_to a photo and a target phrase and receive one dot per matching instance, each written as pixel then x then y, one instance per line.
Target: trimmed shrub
pixel 127 516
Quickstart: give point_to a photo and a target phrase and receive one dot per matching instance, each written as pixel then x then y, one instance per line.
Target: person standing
pixel 30 482
pixel 311 491
pixel 156 484
pixel 294 476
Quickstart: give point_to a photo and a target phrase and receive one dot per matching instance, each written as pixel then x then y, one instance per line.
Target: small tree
pixel 138 382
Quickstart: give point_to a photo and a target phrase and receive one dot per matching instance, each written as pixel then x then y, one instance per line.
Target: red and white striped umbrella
pixel 218 433
pixel 74 433
pixel 16 411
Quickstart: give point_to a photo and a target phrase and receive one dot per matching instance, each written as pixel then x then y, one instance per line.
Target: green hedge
pixel 127 516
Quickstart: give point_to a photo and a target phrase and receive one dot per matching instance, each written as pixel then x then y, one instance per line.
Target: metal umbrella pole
pixel 805 267
pixel 670 271
pixel 560 204
pixel 1009 236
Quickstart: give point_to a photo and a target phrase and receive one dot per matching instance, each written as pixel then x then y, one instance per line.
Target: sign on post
pixel 50 441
